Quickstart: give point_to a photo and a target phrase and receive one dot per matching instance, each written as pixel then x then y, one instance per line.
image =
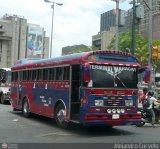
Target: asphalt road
pixel 17 129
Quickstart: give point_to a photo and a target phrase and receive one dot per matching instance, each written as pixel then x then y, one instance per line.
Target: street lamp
pixel 117 24
pixel 133 26
pixel 52 6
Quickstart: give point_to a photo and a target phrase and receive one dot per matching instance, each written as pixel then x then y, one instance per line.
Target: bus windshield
pixel 113 76
pixel 5 75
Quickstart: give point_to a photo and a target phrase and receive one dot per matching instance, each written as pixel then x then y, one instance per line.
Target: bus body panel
pixel 42 98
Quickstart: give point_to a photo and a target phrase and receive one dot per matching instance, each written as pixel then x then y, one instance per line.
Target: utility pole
pixel 150 42
pixel 117 24
pixel 133 27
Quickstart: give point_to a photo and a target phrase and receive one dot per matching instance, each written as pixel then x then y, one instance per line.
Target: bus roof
pixel 78 58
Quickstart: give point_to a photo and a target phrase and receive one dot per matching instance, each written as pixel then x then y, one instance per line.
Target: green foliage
pixel 125 45
pixel 75 49
pixel 141 48
pixel 156 42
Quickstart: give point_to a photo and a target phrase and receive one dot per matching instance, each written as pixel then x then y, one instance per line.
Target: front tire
pixel 140 124
pixel 26 109
pixel 60 116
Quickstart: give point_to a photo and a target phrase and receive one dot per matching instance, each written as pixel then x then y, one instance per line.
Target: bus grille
pixel 114 102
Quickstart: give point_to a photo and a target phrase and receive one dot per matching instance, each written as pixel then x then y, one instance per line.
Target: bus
pixel 90 88
pixel 5 85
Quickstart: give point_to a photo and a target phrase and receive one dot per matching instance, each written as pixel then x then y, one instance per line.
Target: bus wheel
pixel 60 116
pixel 2 99
pixel 25 109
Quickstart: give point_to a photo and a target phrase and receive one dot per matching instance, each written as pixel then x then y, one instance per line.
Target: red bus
pixel 91 88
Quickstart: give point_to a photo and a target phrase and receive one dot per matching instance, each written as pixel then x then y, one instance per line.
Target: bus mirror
pixel 146 73
pixel 3 77
pixel 87 72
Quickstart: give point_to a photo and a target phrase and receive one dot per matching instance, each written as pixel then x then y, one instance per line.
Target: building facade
pixel 103 39
pixel 143 26
pixel 107 28
pixel 108 21
pixel 13 40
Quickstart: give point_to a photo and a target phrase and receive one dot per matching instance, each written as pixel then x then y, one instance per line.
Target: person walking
pixel 143 97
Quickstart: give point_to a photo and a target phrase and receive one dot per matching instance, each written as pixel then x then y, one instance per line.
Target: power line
pixel 146 4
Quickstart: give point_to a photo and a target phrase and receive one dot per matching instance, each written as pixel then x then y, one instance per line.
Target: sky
pixel 74 23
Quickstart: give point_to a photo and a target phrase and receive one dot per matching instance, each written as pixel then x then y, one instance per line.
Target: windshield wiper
pixel 121 82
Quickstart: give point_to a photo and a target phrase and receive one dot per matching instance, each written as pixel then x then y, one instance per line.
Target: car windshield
pixel 113 76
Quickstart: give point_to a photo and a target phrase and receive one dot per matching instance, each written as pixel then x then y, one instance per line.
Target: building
pixel 108 22
pixel 14 32
pixel 108 19
pixel 143 27
pixel 103 39
pixel 107 28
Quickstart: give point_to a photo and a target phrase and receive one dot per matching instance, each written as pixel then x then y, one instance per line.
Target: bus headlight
pixel 118 111
pixel 99 103
pixel 109 111
pixel 122 110
pixel 128 103
pixel 113 110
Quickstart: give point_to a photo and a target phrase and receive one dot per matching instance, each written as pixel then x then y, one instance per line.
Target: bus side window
pixel 34 75
pixel 66 73
pixel 52 74
pixel 25 73
pixel 21 75
pixel 11 76
pixel 59 73
pixel 45 74
pixel 39 75
pixel 28 75
pixel 15 76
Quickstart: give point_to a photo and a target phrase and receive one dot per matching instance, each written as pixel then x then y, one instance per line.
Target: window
pixel 45 74
pixel 52 74
pixel 34 75
pixel 25 73
pixel 14 76
pixel 40 74
pixel 59 73
pixel 21 75
pixel 28 75
pixel 66 73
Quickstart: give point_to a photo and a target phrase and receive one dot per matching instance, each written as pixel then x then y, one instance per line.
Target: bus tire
pixel 60 116
pixel 14 109
pixel 25 108
pixel 2 99
pixel 140 124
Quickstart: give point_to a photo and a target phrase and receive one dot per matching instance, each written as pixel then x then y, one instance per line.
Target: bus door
pixel 75 88
pixel 17 89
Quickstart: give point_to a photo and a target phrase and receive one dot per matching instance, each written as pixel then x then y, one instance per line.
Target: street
pixel 17 129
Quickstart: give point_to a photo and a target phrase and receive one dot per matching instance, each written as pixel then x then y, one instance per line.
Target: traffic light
pixel 158 48
pixel 155 52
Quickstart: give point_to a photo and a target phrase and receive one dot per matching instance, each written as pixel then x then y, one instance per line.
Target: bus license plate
pixel 115 116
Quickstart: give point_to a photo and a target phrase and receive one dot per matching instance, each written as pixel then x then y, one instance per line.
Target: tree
pixel 125 43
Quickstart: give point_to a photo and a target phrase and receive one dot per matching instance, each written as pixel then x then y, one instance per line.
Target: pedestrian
pixel 143 97
pixel 152 101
